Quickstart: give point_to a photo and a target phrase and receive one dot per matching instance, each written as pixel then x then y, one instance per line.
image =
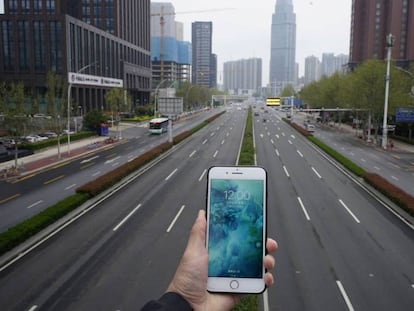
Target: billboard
pixel 170 105
pixel 405 114
pixel 273 101
pixel 82 79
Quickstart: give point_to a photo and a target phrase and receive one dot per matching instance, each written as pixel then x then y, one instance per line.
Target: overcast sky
pixel 322 26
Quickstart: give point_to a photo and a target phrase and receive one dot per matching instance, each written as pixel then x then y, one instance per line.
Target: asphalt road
pixel 339 248
pixel 28 196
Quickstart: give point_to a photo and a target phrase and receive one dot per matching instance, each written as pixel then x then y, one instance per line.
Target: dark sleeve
pixel 168 302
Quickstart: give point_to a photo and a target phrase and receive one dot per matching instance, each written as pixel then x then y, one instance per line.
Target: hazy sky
pixel 322 26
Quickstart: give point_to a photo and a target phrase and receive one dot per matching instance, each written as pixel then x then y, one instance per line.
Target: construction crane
pixel 162 15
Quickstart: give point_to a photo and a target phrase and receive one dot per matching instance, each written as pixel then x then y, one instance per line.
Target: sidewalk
pixel 50 156
pixel 399 146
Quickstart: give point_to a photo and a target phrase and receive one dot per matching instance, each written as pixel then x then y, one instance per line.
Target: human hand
pixel 190 280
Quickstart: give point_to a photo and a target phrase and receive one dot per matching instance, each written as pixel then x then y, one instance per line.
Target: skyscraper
pixel 243 76
pixel 170 55
pixel 203 66
pixel 283 46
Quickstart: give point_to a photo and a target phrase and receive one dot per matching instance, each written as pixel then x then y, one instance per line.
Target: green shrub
pixel 28 228
pixel 247 149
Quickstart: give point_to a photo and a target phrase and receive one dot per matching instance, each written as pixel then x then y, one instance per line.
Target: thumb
pixel 197 238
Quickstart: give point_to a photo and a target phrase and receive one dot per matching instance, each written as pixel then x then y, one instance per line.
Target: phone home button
pixel 234 284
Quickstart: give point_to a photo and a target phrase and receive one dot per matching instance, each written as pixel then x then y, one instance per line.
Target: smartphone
pixel 236 229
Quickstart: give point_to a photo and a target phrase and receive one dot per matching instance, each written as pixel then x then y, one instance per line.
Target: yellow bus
pixel 273 101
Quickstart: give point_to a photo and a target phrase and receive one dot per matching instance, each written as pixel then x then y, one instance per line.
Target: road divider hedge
pixel 21 232
pixel 395 194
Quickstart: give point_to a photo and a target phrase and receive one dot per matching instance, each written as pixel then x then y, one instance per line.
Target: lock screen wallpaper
pixel 236 228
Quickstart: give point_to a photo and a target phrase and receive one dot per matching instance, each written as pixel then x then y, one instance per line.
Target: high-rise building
pixel 170 55
pixel 283 46
pixel 372 21
pixel 312 69
pixel 203 68
pixel 243 76
pixel 105 38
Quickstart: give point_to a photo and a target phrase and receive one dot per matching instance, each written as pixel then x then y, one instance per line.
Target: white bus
pixel 158 125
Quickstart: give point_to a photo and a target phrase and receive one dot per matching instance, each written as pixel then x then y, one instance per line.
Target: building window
pixel 13 6
pixel 25 6
pixel 56 55
pixel 39 47
pixel 50 7
pixel 37 6
pixel 8 42
pixel 23 30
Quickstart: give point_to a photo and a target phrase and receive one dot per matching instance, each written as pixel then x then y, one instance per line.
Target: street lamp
pixel 69 94
pixel 156 96
pixel 390 44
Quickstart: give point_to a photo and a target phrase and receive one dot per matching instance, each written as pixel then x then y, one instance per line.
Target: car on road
pixel 310 127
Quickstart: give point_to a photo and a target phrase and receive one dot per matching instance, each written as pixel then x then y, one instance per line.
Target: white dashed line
pixel 349 211
pixel 35 204
pixel 173 172
pixel 175 218
pixel 304 209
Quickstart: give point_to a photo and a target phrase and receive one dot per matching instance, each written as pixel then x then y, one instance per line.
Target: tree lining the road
pixel 364 88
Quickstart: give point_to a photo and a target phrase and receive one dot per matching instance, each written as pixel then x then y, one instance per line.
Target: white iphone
pixel 236 229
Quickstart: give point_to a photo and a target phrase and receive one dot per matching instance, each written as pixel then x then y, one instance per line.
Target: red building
pixel 372 21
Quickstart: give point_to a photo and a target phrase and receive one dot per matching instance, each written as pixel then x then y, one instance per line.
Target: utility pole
pixel 390 44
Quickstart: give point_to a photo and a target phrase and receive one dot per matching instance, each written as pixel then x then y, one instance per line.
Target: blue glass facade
pixel 174 51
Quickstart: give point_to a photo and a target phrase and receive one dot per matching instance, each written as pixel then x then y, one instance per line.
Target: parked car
pixel 48 135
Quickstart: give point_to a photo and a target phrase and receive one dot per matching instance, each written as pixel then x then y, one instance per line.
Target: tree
pixel 288 91
pixel 93 119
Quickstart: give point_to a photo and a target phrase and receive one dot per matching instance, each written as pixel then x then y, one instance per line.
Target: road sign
pixel 170 105
pixel 405 114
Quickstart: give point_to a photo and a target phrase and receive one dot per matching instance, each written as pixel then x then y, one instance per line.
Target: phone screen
pixel 235 232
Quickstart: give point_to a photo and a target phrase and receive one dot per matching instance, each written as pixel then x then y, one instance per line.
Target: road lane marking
pixel 89 160
pixel 345 296
pixel 110 156
pixel 272 141
pixel 349 211
pixel 293 136
pixel 70 187
pixel 112 160
pixel 35 204
pixel 204 142
pixel 304 209
pixel 363 160
pixel 212 134
pixel 202 175
pixel 126 218
pixel 223 141
pixel 96 174
pixel 290 142
pixel 53 180
pixel 115 164
pixel 215 154
pixel 175 219
pixel 377 168
pixel 286 171
pixel 33 308
pixel 172 173
pixel 277 136
pixel 10 198
pixel 23 178
pixel 277 152
pixel 300 153
pixel 87 165
pixel 192 153
pixel 395 178
pixel 316 173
